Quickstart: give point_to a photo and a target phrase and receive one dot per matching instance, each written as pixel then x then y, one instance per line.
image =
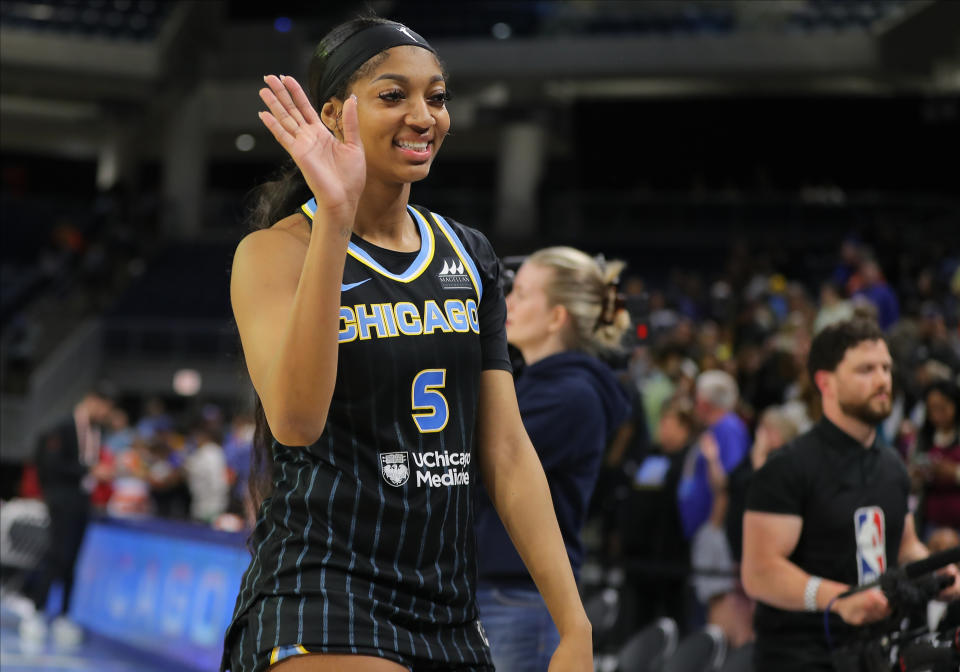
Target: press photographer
pixel 829 512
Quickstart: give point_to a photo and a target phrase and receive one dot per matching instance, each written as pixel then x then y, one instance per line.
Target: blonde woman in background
pixel 562 312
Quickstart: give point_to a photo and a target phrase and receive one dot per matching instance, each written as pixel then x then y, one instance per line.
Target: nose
pixel 419 116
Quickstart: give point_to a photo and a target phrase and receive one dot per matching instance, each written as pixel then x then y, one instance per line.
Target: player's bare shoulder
pixel 281 247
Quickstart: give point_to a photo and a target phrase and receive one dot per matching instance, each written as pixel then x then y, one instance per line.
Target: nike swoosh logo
pixel 344 288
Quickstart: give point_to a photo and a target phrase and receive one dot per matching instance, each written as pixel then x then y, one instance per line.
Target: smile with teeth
pixel 414 146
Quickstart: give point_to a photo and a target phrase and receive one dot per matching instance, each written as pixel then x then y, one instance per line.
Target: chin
pixel 418 173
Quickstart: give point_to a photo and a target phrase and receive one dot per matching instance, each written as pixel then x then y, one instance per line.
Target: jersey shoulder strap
pixel 448 231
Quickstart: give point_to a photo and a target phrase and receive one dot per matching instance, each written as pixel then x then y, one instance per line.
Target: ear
pixel 824 381
pixel 330 116
pixel 559 318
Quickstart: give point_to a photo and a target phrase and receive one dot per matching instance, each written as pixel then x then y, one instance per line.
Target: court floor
pixel 96 654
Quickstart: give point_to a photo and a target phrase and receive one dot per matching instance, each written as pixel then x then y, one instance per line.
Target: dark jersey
pixel 853 501
pixel 366 544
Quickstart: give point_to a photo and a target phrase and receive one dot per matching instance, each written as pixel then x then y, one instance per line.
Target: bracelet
pixel 810 593
pixel 826 621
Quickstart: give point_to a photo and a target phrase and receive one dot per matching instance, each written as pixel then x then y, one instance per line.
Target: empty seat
pixel 701 651
pixel 739 659
pixel 648 650
pixel 602 609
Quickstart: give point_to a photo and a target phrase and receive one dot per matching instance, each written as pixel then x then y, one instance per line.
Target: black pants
pixel 69 513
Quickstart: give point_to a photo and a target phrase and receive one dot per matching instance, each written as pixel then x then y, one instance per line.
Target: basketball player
pixel 373 332
pixel 829 511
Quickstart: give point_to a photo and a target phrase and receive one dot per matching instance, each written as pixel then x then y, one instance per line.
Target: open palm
pixel 335 170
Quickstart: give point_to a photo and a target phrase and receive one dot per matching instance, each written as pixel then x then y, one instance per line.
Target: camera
pixel 903 642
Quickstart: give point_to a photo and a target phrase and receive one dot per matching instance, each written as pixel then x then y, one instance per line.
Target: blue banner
pixel 152 588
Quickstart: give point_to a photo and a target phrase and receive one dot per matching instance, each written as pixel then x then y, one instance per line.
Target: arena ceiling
pixel 69 90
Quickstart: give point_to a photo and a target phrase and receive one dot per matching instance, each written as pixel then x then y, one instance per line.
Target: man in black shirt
pixel 67 460
pixel 829 510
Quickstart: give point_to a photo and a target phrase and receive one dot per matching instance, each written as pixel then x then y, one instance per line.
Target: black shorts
pixel 243 655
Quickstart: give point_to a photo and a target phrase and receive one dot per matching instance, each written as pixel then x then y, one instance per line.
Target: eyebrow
pixel 403 79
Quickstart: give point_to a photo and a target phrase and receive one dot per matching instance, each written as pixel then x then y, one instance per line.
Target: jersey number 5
pixel 430 409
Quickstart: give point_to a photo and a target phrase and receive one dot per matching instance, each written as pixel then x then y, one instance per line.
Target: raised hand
pixel 710 449
pixel 334 169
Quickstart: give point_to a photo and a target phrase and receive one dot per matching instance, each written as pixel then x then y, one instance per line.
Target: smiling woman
pixel 363 549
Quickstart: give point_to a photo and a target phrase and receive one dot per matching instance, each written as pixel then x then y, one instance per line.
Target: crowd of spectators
pixel 718 373
pixel 189 466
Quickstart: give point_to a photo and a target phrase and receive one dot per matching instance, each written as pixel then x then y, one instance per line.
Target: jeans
pixel 521 633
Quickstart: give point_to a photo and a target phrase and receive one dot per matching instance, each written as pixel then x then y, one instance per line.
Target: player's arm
pixel 286 295
pixel 768 575
pixel 912 549
pixel 288 322
pixel 517 486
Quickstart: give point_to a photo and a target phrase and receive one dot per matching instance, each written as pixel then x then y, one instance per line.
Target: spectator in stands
pixel 67 460
pixel 659 385
pixel 563 310
pixel 663 318
pixel 716 398
pixel 155 418
pixel 168 488
pixel 236 448
pixel 717 546
pixel 120 435
pixel 934 341
pixel 875 289
pixel 781 367
pixel 936 461
pixel 205 469
pixel 652 546
pixel 714 572
pixel 845 272
pixel 833 307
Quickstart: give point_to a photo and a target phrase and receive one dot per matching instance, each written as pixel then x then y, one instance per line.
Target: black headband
pixel 361 47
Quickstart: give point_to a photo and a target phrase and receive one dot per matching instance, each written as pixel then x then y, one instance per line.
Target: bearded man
pixel 829 511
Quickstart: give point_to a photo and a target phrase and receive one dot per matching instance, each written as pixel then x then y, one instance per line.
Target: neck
pixel 382 217
pixel 715 415
pixel 859 430
pixel 534 353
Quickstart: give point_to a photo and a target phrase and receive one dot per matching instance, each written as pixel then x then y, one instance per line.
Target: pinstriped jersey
pixel 366 544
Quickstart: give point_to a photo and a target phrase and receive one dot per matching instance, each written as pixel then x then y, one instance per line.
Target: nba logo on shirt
pixel 871 543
